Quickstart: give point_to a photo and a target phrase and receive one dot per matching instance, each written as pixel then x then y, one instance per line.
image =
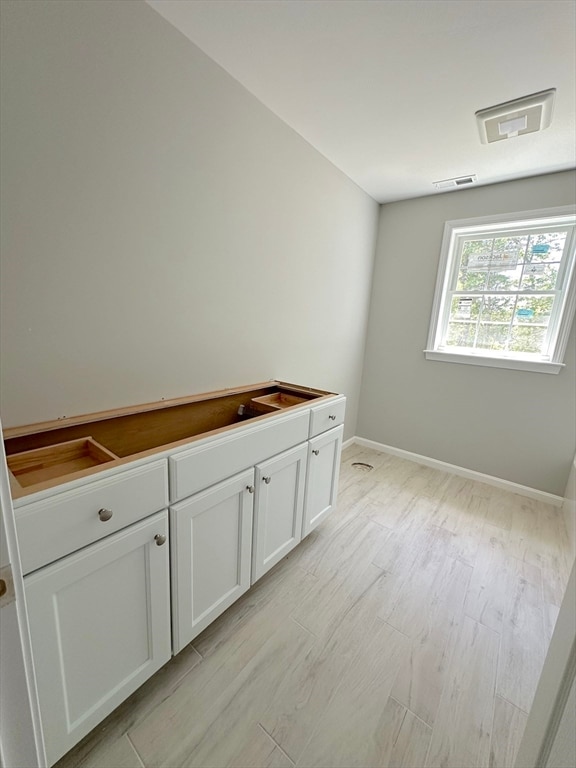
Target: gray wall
pixel 163 233
pixel 516 425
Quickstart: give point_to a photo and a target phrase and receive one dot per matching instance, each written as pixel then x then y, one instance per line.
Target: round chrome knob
pixel 315 453
pixel 267 480
pixel 160 539
pixel 250 488
pixel 332 418
pixel 104 514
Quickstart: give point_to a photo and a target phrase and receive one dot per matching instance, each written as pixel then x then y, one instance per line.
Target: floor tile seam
pixel 138 755
pixel 331 698
pixel 228 696
pixel 380 525
pixel 421 719
pixel 498 671
pixel 511 703
pixel 494 694
pixel 199 654
pixel 449 665
pixel 170 692
pixel 326 705
pixel 316 728
pixel 430 742
pixel 389 624
pixel 341 579
pixel 479 621
pixel 309 631
pixel 232 688
pixel 273 740
pixel 512 559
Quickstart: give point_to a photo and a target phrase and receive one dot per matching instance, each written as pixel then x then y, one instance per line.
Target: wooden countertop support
pixel 46 454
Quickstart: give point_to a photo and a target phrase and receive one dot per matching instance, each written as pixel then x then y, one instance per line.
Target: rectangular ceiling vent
pixel 459 181
pixel 515 118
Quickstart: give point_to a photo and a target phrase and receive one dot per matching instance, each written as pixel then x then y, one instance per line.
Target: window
pixel 505 293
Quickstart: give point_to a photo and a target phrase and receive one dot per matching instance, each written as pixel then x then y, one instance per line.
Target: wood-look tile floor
pixel 409 629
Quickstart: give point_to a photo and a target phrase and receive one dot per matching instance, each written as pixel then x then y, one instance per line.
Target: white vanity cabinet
pixel 324 454
pixel 211 552
pixel 279 505
pixel 100 626
pixel 109 571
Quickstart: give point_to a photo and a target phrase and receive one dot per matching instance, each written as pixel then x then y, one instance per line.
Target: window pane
pixel 493 336
pixel 498 309
pixel 509 251
pixel 492 264
pixel 546 247
pixel 476 252
pixel 465 308
pixel 495 320
pixel 527 339
pixel 540 277
pixel 461 334
pixel 472 280
pixel 504 279
pixel 533 310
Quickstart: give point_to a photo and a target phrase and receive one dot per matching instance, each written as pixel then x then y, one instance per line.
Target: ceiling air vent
pixel 515 118
pixel 459 181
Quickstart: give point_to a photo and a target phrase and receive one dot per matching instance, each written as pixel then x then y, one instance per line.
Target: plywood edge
pixel 15 487
pixel 100 451
pixel 72 421
pixel 19 491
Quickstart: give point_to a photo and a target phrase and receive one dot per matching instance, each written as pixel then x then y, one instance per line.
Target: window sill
pixel 535 366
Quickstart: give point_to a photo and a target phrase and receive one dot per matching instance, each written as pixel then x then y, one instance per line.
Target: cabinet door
pixel 322 477
pixel 100 626
pixel 211 551
pixel 278 508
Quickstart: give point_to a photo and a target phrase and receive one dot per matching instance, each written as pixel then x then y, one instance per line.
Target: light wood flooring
pixel 407 630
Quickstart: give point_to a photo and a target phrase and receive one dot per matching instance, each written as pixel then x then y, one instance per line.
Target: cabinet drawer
pixel 326 416
pixel 55 527
pixel 209 463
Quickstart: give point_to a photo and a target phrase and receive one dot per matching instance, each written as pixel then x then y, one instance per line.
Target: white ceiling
pixel 387 89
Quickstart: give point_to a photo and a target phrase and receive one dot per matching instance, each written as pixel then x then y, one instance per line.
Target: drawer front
pixel 204 465
pixel 55 527
pixel 326 416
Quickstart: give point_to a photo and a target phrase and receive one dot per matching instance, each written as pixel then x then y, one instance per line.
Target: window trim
pixel 452 230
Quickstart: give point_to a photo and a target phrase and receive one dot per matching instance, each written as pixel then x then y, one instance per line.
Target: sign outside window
pixel 491 260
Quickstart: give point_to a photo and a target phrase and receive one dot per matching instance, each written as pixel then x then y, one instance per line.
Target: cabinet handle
pixel 315 453
pixel 104 514
pixel 160 539
pixel 332 418
pixel 250 488
pixel 266 479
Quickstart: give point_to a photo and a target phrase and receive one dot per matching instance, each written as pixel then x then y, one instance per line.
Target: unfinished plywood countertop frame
pixel 44 455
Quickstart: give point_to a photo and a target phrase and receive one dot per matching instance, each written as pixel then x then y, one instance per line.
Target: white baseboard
pixel 347 443
pixel 471 474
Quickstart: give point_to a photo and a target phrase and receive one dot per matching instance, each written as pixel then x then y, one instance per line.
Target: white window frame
pixel 563 314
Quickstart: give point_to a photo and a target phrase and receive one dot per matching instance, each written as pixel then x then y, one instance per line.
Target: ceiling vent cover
pixel 515 118
pixel 459 181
